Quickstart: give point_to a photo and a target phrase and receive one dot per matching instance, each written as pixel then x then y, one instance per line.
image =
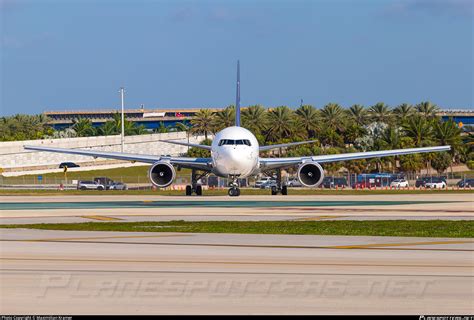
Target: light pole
pixel 122 90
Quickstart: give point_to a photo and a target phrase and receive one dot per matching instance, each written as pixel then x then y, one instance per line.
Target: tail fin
pixel 237 98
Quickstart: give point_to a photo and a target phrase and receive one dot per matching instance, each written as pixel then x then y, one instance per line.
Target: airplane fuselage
pixel 234 153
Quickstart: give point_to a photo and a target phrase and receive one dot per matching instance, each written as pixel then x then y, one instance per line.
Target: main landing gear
pixel 279 188
pixel 234 190
pixel 194 187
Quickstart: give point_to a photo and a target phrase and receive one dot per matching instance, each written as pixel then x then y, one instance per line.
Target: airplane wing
pixel 278 163
pixel 283 145
pixel 182 143
pixel 191 163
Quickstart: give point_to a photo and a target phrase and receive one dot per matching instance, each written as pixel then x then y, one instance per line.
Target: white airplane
pixel 235 154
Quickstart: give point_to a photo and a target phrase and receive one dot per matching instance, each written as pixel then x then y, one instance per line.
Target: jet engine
pixel 310 174
pixel 161 174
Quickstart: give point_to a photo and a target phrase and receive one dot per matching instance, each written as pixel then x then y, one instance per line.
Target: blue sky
pixel 71 54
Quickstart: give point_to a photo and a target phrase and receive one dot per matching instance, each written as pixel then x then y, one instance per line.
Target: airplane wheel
pixel 189 190
pixel 199 190
pixel 234 192
pixel 274 191
pixel 284 190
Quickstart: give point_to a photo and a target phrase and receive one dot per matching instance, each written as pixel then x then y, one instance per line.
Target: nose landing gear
pixel 234 190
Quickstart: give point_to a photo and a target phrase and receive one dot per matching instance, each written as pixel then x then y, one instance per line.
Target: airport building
pixel 153 118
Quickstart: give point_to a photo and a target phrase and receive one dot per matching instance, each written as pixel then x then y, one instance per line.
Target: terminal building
pixel 153 118
pixel 150 118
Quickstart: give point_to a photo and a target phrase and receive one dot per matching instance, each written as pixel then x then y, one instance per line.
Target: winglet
pixel 237 97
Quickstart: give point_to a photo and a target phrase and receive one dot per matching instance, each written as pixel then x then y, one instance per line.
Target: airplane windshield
pixel 224 142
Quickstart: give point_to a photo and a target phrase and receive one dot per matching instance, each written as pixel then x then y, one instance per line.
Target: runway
pixel 51 209
pixel 67 272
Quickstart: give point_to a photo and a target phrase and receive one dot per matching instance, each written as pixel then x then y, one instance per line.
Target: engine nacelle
pixel 161 174
pixel 310 174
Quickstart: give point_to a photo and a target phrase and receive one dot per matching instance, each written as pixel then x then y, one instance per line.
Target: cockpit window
pixel 234 142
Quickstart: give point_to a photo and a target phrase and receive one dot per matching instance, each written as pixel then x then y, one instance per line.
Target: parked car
pixel 68 164
pixel 268 184
pixel 90 185
pixel 118 186
pixel 399 183
pixel 106 182
pixel 294 182
pixel 332 182
pixel 466 183
pixel 258 184
pixel 436 183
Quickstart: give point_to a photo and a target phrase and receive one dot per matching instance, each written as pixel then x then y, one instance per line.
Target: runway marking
pixel 318 218
pixel 101 218
pixel 105 237
pixel 283 205
pixel 242 272
pixel 365 209
pixel 401 244
pixel 347 247
pixel 238 262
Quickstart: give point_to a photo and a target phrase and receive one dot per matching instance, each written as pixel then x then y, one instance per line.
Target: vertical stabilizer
pixel 237 97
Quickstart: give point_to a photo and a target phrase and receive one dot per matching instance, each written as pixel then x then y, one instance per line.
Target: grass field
pixel 222 192
pixel 397 228
pixel 135 174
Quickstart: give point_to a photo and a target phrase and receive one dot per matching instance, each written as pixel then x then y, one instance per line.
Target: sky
pixel 76 54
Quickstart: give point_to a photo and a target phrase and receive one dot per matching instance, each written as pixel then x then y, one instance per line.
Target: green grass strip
pixel 397 228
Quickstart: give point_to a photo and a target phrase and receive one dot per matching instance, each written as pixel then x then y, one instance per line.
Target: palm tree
pixel 357 114
pixel 83 127
pixel 308 119
pixel 224 118
pixel 162 128
pixel 403 112
pixel 448 133
pixel 107 129
pixel 333 116
pixel 389 140
pixel 427 109
pixel 203 122
pixel 254 118
pixel 281 119
pixel 419 129
pixel 380 112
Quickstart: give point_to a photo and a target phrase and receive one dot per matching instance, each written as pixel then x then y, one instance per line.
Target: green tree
pixel 427 109
pixel 83 127
pixel 403 112
pixel 254 118
pixel 308 119
pixel 411 163
pixel 281 120
pixel 358 114
pixel 224 118
pixel 380 112
pixel 333 116
pixel 198 152
pixel 420 130
pixel 203 122
pixel 441 161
